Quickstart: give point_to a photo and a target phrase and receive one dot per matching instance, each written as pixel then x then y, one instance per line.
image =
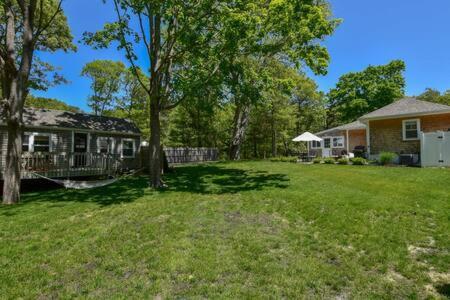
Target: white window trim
pixel 320 147
pixel 134 148
pixel 404 129
pixel 31 140
pixel 111 143
pixel 323 142
pixel 338 137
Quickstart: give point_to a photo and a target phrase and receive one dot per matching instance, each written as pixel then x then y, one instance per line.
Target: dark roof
pixel 350 126
pixel 407 107
pixel 38 117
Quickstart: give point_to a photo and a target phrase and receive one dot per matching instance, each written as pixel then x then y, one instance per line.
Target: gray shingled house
pixel 61 144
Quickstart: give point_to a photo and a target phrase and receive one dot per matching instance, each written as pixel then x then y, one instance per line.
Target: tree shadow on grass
pixel 216 179
pixel 201 179
pixel 124 191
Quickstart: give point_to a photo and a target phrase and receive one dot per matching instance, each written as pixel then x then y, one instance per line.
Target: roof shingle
pixel 37 117
pixel 406 107
pixel 350 126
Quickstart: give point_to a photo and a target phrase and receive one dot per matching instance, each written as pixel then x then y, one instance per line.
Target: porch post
pixel 368 138
pixel 348 147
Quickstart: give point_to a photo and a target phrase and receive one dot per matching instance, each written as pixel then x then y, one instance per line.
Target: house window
pixel 326 143
pixel 316 145
pixel 104 145
pixel 41 143
pixel 411 129
pixel 128 148
pixel 26 143
pixel 338 142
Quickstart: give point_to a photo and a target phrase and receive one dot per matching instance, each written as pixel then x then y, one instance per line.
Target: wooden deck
pixel 62 165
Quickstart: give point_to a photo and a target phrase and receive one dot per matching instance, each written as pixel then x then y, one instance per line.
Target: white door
pixel 326 150
pixel 435 149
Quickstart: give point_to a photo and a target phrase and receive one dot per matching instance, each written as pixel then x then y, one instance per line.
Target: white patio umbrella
pixel 307 137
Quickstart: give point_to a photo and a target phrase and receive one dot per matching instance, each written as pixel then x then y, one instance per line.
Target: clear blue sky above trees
pixel 373 32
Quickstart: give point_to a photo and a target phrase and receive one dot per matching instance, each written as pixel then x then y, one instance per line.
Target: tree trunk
pixel 17 89
pixel 11 185
pixel 155 145
pixel 274 134
pixel 241 119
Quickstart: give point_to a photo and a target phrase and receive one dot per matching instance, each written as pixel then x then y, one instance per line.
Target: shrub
pixel 317 160
pixel 387 158
pixel 283 159
pixel 289 159
pixel 329 161
pixel 359 161
pixel 342 161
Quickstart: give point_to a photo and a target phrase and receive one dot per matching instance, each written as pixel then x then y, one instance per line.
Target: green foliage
pixel 433 95
pixel 289 104
pixel 317 160
pixel 358 93
pixel 291 159
pixel 358 161
pixel 343 161
pixel 132 102
pixel 106 78
pixel 387 158
pixel 53 36
pixel 329 160
pixel 48 103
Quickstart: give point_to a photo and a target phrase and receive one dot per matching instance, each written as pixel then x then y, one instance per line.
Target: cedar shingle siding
pixel 387 135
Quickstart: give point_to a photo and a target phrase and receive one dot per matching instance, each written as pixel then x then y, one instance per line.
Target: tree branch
pixel 128 51
pixel 40 29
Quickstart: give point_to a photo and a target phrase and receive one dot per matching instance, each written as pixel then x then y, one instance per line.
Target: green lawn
pixel 236 230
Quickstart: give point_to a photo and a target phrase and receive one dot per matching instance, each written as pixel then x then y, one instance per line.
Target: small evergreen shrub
pixel 342 161
pixel 329 161
pixel 289 159
pixel 284 159
pixel 358 161
pixel 387 158
pixel 317 160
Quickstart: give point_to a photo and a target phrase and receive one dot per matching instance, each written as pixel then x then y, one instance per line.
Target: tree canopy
pixel 358 93
pixel 433 95
pixel 49 103
pixel 106 79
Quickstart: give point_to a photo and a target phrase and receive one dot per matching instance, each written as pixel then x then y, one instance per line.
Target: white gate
pixel 435 149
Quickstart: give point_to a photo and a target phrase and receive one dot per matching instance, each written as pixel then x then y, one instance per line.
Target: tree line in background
pixel 289 104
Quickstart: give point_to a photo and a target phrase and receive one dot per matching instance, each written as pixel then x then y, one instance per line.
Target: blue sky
pixel 373 32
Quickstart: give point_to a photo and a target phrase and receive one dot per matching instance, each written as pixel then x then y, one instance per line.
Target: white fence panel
pixel 435 149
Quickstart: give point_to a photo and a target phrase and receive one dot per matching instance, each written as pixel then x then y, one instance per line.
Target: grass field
pixel 236 230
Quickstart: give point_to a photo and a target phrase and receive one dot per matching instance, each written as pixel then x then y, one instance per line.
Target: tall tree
pixel 132 102
pixel 173 34
pixel 358 93
pixel 106 80
pixel 25 26
pixel 288 30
